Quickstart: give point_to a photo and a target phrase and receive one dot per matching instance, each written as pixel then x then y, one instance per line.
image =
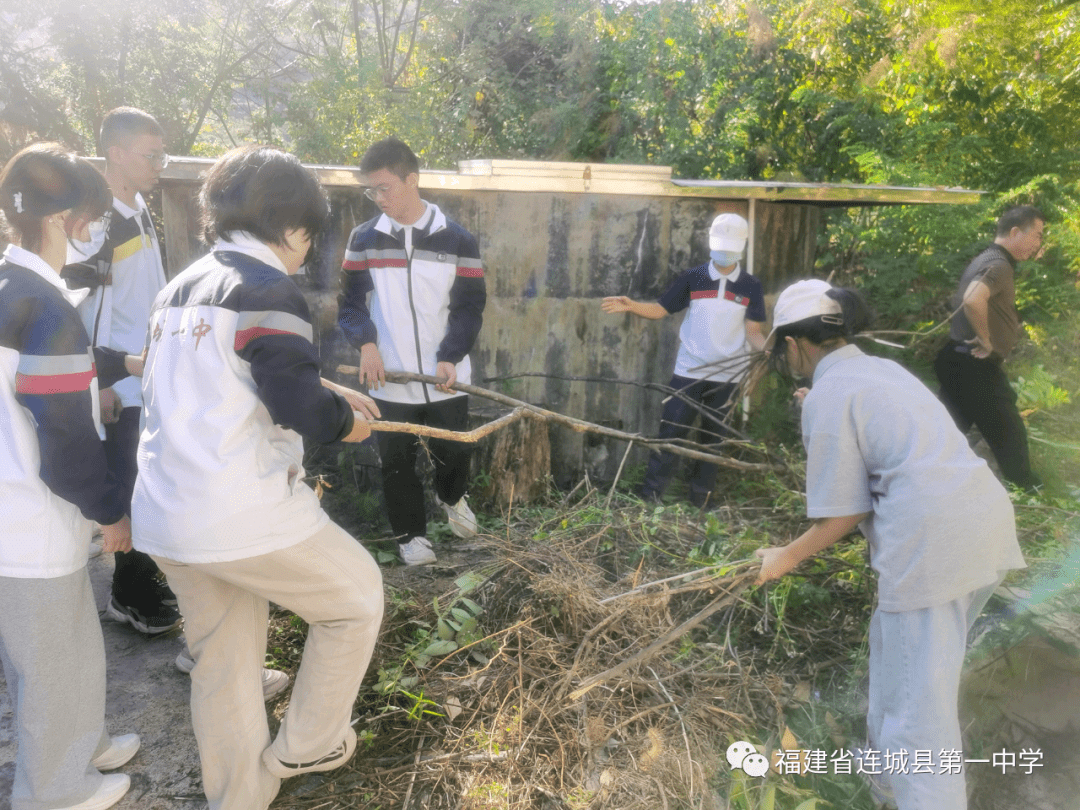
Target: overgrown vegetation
pixel 471 701
pixel 584 656
pixel 556 663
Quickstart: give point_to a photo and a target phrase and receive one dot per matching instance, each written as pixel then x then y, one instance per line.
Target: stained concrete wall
pixel 549 258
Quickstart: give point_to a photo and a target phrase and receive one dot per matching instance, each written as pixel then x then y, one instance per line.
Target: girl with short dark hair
pixel 232 388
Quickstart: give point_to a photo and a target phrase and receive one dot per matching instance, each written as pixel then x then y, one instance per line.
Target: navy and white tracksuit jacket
pixel 53 475
pixel 231 385
pixel 425 308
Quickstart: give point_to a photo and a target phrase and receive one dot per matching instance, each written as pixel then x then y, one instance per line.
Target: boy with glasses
pixel 124 276
pixel 426 280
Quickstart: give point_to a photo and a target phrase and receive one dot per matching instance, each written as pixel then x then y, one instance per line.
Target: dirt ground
pixel 1027 698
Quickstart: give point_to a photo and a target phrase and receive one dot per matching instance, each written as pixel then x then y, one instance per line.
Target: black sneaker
pixel 163 592
pixel 160 619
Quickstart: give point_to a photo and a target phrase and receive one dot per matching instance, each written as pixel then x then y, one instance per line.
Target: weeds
pixel 570 669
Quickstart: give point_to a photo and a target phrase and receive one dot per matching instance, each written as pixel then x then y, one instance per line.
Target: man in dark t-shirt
pixel 984 330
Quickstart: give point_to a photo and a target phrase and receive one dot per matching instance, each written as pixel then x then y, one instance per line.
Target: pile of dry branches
pixel 608 670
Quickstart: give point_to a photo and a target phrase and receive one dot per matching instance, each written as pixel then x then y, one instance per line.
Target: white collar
pixel 126 210
pixel 437 222
pixel 730 278
pixel 36 264
pixel 421 222
pixel 250 245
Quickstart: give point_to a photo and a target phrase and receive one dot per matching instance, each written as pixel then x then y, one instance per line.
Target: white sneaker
pixel 121 749
pixel 112 789
pixel 417 552
pixel 461 517
pixel 274 681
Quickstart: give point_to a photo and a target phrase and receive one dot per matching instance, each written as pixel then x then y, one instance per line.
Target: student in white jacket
pixel 427 295
pixel 232 388
pixel 121 278
pixel 53 479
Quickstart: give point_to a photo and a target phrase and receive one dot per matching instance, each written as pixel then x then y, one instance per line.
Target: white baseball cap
pixel 806 299
pixel 728 232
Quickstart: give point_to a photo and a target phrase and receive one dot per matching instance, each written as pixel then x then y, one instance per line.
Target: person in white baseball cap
pixel 725 310
pixel 884 454
pixel 728 232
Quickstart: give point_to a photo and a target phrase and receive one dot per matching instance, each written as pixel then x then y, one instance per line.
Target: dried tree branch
pixel 470 437
pixel 738 585
pixel 577 425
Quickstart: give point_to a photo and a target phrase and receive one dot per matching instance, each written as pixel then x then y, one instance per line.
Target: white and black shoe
pixel 155 620
pixel 335 759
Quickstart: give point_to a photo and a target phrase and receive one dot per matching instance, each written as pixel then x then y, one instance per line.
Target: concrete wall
pixel 549 258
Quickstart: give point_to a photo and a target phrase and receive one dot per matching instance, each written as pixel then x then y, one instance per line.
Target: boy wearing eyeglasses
pixel 124 273
pixel 426 281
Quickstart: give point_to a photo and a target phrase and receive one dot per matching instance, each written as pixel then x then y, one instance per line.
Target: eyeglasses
pixel 373 192
pixel 158 160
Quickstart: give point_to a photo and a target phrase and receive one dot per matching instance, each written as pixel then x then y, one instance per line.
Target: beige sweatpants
pixel 334 585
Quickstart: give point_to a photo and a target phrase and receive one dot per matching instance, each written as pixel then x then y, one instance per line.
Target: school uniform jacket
pixel 230 388
pixel 52 464
pixel 123 277
pixel 425 308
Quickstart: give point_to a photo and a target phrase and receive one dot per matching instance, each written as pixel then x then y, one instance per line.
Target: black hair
pixel 42 180
pixel 264 191
pixel 855 316
pixel 392 154
pixel 124 122
pixel 1022 217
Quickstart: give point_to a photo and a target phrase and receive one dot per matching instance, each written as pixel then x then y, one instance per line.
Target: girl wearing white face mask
pixel 725 310
pixel 53 478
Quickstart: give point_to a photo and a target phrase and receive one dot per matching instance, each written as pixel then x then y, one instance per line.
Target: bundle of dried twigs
pixel 608 671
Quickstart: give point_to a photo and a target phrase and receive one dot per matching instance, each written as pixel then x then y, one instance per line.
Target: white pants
pixel 334 585
pixel 915 662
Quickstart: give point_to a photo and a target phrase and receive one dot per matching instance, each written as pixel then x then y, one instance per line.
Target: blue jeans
pixel 675 423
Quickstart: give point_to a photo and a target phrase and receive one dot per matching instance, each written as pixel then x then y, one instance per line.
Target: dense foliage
pixel 928 92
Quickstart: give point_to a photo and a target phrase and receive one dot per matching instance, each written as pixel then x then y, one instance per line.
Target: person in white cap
pixel 884 454
pixel 725 311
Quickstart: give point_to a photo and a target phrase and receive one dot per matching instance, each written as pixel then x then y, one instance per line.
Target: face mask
pixel 726 258
pixel 80 251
